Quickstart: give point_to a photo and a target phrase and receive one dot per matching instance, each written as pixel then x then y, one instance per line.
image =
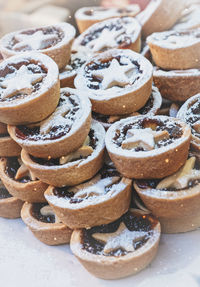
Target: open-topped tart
pixel 150 108
pixel 8 147
pixel 175 199
pixel 62 132
pixel 177 85
pixel 87 16
pixel 118 249
pixel 176 50
pixel 148 146
pixel 27 82
pixel 10 207
pixel 44 224
pixel 55 41
pixel 101 200
pixel 20 182
pixel 190 113
pixel 123 33
pixel 117 81
pixel 159 15
pixel 189 18
pixel 73 168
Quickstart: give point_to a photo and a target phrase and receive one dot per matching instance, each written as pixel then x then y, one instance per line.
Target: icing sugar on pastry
pixel 19 81
pixel 122 238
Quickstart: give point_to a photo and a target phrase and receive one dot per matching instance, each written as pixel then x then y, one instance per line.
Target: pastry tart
pixel 117 81
pixel 73 168
pixel 54 41
pixel 145 51
pixel 27 82
pixel 10 207
pixel 8 147
pixel 67 75
pixel 175 199
pixel 189 19
pixel 123 33
pixel 177 85
pixel 62 132
pixel 44 224
pixel 118 249
pixel 101 200
pixel 176 50
pixel 169 108
pixel 20 182
pixel 159 15
pixel 151 107
pixel 190 113
pixel 148 146
pixel 87 16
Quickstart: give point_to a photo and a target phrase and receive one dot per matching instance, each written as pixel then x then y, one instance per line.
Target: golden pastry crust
pixel 59 52
pixel 88 16
pixel 3 129
pixel 164 12
pixel 172 50
pixel 8 147
pixel 111 267
pixel 152 163
pixel 70 141
pixel 31 191
pixel 31 107
pixel 177 85
pixel 110 99
pixel 71 173
pixel 49 233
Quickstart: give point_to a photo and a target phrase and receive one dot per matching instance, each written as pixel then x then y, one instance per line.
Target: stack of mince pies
pixel 100 136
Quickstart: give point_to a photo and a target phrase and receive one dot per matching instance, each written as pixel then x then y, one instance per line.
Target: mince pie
pixel 101 200
pixel 44 224
pixel 151 107
pixel 123 33
pixel 189 18
pixel 73 168
pixel 121 248
pixel 159 15
pixel 176 50
pixel 8 147
pixel 55 41
pixel 88 16
pixel 20 182
pixel 10 207
pixel 27 82
pixel 62 132
pixel 177 85
pixel 117 81
pixel 148 146
pixel 175 199
pixel 190 113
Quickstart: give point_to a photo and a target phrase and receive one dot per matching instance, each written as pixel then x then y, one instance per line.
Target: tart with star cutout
pixel 20 182
pixel 10 207
pixel 175 199
pixel 122 33
pixel 88 16
pixel 117 81
pixel 54 41
pixel 148 146
pixel 190 113
pixel 27 82
pixel 44 224
pixel 73 168
pixel 118 249
pixel 101 200
pixel 176 50
pixel 63 132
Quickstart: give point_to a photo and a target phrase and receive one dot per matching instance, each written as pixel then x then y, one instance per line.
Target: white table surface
pixel 25 261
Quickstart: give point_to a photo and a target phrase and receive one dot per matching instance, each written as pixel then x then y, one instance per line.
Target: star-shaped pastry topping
pixel 114 75
pixel 21 80
pixel 35 41
pixel 181 178
pixel 95 187
pixel 23 171
pixel 122 238
pixel 144 138
pixel 48 211
pixel 106 39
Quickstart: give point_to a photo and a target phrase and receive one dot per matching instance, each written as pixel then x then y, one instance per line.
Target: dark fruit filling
pixel 4 193
pixel 193 115
pixel 12 167
pixel 40 217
